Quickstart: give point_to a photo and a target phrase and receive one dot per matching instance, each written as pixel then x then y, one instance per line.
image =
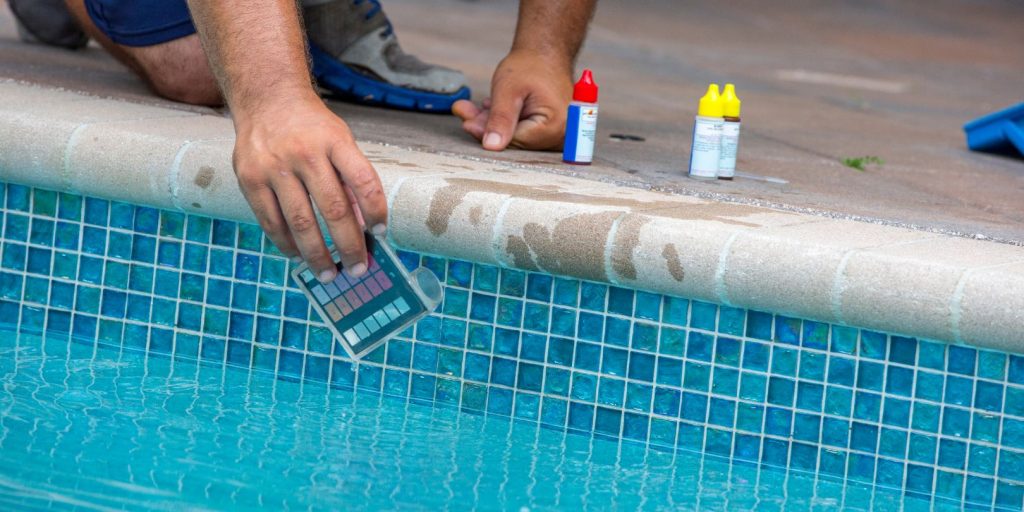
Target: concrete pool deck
pixel 104 135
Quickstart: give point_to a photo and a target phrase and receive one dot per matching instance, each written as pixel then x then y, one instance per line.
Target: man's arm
pixel 531 87
pixel 554 30
pixel 289 145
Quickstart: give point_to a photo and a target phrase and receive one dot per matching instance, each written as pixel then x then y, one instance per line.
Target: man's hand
pixel 529 97
pixel 532 86
pixel 286 154
pixel 289 147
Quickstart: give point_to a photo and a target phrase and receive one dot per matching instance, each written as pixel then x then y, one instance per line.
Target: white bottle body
pixel 580 133
pixel 706 148
pixel 730 149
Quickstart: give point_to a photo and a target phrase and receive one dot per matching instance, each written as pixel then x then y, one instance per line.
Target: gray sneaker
pixel 356 55
pixel 47 22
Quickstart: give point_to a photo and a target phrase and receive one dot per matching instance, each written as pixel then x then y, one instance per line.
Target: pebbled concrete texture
pixel 111 139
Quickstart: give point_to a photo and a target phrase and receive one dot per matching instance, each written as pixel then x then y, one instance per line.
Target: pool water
pixel 84 426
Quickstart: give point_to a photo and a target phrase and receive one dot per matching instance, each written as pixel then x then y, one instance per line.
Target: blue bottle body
pixel 580 133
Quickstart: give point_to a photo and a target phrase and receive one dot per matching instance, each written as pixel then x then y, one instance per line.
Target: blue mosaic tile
pixel 593 296
pixel 703 315
pixel 961 360
pixel 675 311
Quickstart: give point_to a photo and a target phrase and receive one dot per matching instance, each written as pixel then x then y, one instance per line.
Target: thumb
pixel 504 115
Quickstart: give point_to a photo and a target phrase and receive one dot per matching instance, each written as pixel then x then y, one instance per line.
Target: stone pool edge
pixel 871 276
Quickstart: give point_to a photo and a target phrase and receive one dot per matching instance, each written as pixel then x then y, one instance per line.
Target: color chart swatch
pixel 365 310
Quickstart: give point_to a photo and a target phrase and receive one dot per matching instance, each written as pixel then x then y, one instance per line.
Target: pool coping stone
pixel 913 283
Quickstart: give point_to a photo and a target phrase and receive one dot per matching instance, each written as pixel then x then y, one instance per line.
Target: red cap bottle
pixel 585 90
pixel 581 122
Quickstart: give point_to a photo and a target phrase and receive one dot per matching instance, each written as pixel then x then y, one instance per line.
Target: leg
pixel 176 69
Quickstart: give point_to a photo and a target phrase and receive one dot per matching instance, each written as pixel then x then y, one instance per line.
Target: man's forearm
pixel 256 49
pixel 553 28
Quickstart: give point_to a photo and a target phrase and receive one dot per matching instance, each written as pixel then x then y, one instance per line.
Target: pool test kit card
pixel 367 311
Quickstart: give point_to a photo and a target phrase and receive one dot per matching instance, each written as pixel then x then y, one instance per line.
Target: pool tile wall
pixel 925 417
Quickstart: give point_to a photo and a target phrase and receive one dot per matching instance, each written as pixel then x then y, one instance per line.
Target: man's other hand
pixel 530 96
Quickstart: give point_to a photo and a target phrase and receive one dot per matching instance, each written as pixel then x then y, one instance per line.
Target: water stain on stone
pixel 448 198
pixel 204 177
pixel 408 164
pixel 575 246
pixel 675 267
pixel 456 166
pixel 474 215
pixel 627 238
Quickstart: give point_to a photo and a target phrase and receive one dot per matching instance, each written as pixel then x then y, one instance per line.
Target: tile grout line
pixel 956 300
pixel 839 286
pixel 174 174
pixel 498 229
pixel 721 290
pixel 839 282
pixel 69 146
pixel 609 248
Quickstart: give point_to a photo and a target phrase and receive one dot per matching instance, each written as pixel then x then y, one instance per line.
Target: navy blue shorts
pixel 141 22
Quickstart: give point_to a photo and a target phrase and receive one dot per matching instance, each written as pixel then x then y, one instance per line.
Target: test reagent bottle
pixel 730 133
pixel 581 123
pixel 706 149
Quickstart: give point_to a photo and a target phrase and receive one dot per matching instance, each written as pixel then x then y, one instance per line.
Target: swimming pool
pixel 542 391
pixel 88 426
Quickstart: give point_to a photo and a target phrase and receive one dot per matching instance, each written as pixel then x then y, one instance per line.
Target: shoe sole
pixel 352 85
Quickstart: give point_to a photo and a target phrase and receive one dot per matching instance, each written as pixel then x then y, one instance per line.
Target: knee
pixel 178 70
pixel 185 88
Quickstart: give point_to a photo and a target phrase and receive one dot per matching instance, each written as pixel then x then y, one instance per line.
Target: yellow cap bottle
pixel 730 133
pixel 730 102
pixel 706 147
pixel 711 103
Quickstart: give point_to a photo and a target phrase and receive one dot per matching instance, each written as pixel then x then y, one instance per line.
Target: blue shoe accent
pixel 353 85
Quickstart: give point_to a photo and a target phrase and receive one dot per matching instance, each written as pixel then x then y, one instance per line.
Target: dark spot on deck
pixel 204 177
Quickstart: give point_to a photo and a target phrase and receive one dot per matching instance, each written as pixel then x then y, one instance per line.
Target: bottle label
pixel 707 147
pixel 730 146
pixel 580 133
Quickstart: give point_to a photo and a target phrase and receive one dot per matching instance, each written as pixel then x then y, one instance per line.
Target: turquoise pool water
pixel 535 354
pixel 88 427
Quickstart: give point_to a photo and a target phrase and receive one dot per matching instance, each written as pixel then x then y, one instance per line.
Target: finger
pixel 504 115
pixel 337 211
pixel 359 175
pixel 355 205
pixel 475 126
pixel 268 214
pixel 539 132
pixel 465 109
pixel 298 214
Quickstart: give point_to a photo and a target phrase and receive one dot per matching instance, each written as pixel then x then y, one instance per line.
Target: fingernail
pixel 379 229
pixel 357 270
pixel 492 140
pixel 296 259
pixel 328 275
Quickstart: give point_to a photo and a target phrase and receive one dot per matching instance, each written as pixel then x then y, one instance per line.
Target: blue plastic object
pixel 1001 132
pixel 353 85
